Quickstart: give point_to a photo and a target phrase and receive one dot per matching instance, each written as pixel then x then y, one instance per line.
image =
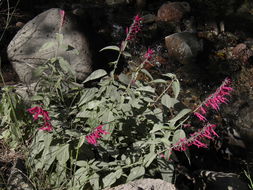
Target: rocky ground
pixel 217 42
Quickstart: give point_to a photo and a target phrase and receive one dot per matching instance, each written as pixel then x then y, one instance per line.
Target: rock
pixel 244 121
pixel 147 184
pixel 148 18
pixel 173 11
pixel 20 24
pixel 23 50
pixel 114 2
pixel 242 52
pixel 210 180
pixel 184 46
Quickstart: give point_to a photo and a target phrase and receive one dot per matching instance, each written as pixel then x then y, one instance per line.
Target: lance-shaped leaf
pixel 95 75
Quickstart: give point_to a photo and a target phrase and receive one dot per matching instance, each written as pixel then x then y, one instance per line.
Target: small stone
pixel 20 24
pixel 242 52
pixel 184 46
pixel 114 2
pixel 173 11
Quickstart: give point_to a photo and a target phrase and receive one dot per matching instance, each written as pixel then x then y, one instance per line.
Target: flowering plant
pixel 119 130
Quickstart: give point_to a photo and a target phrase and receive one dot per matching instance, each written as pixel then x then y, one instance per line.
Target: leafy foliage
pixel 139 117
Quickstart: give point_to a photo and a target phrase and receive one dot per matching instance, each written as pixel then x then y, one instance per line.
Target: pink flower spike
pixel 199 144
pixel 203 111
pixel 134 28
pixel 46 127
pixel 201 117
pixel 148 54
pixel 62 14
pixel 96 134
pixel 137 18
pixel 91 140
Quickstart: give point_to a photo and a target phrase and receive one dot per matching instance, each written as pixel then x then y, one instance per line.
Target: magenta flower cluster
pixel 134 28
pixel 212 102
pixel 96 134
pixel 62 14
pixel 37 113
pixel 148 55
pixel 195 138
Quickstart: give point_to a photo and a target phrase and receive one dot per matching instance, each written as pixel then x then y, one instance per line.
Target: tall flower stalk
pixel 211 102
pixel 131 33
pixel 214 100
pixel 195 138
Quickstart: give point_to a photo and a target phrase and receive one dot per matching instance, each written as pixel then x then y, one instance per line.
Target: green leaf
pixel 80 178
pixel 181 114
pixel 49 156
pixel 107 117
pixel 82 163
pixel 94 104
pixel 87 96
pixel 112 177
pixel 124 78
pixel 146 89
pixel 176 88
pixel 63 154
pixel 65 66
pixel 168 102
pixel 81 141
pixel 158 81
pixel 95 75
pixel 127 54
pixel 166 142
pixel 47 45
pixel 179 134
pixel 135 173
pixel 84 114
pixel 170 75
pixel 116 48
pixel 166 170
pixel 147 73
pixel 36 98
pixel 149 159
pixel 156 128
pixel 188 155
pixel 94 181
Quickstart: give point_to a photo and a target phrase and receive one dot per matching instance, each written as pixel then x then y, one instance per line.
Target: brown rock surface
pixel 173 11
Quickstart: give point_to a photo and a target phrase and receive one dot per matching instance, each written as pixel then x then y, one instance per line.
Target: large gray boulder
pixel 25 53
pixel 147 184
pixel 184 46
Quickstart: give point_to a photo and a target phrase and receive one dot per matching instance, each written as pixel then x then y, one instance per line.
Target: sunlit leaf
pixel 181 114
pixel 95 75
pixel 112 177
pixel 167 101
pixel 116 48
pixel 176 88
pixel 149 159
pixel 179 134
pixel 135 173
pixel 146 89
pixel 147 73
pixel 66 67
pixel 48 45
pixel 63 154
pixel 158 81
